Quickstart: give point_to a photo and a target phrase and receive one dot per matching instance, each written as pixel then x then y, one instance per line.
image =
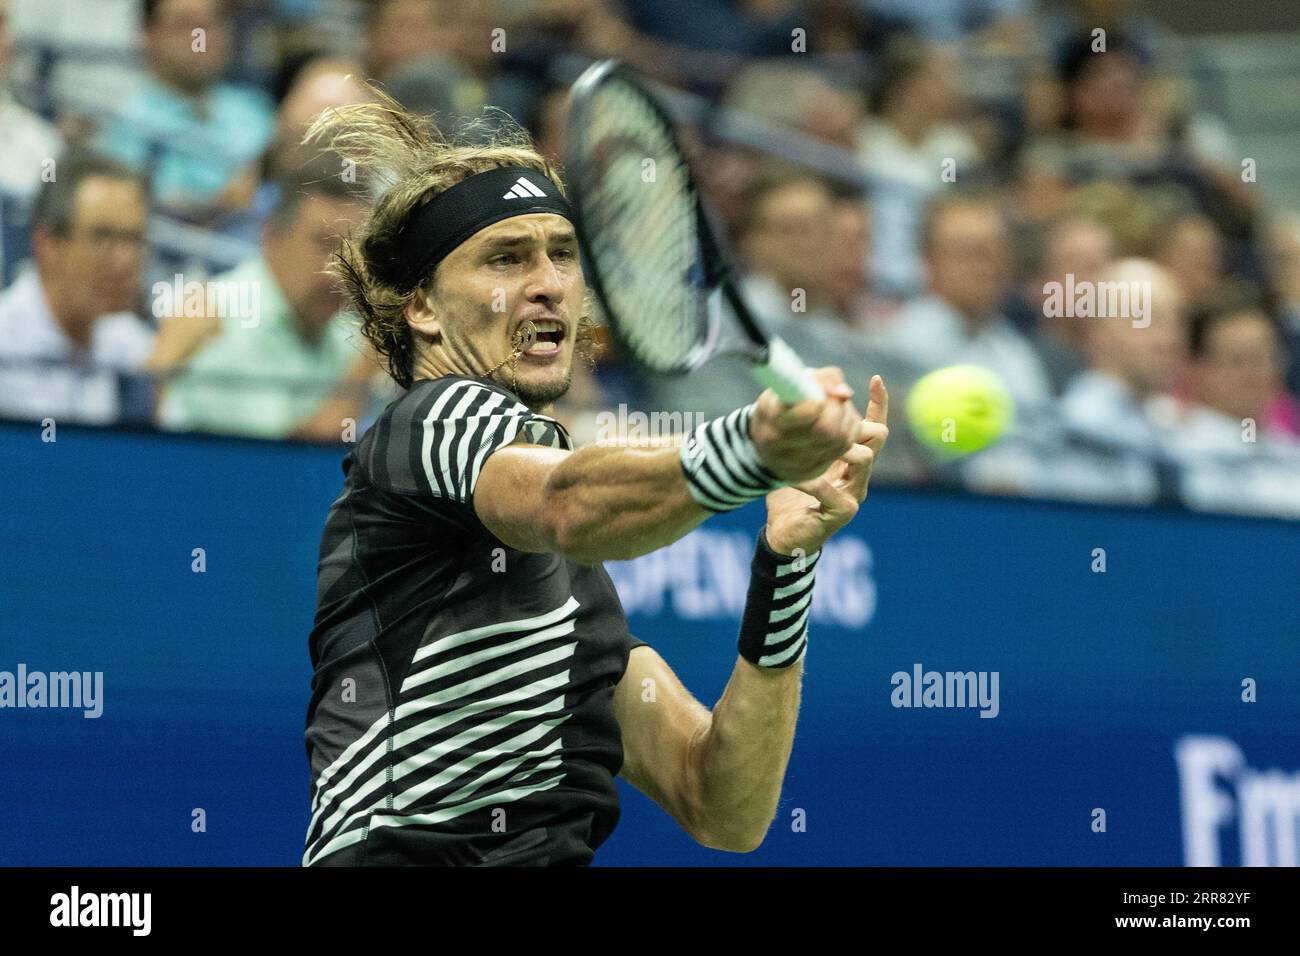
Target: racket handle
pixel 785 374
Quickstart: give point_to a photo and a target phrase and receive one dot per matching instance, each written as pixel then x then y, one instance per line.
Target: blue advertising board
pixel 988 681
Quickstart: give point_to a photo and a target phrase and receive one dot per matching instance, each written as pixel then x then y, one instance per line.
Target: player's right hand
pixel 799 442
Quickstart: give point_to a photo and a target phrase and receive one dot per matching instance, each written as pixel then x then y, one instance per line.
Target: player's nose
pixel 545 281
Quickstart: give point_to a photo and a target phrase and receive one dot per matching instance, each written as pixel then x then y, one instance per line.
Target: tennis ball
pixel 959 409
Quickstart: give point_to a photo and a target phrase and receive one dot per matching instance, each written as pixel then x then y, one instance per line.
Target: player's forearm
pixel 605 503
pixel 739 764
pixel 626 501
pixel 615 503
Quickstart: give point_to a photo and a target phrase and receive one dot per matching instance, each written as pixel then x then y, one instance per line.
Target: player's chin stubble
pixel 536 394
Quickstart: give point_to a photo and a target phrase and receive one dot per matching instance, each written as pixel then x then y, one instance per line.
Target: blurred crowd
pixel 907 186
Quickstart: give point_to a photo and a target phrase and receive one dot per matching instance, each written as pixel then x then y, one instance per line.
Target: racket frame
pixel 775 363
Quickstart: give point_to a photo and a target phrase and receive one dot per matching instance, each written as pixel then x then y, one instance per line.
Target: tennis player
pixel 476 688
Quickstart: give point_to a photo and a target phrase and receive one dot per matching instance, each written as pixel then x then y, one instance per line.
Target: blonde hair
pixel 385 142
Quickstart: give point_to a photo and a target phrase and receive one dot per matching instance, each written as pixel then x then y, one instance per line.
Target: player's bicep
pixel 510 495
pixel 660 723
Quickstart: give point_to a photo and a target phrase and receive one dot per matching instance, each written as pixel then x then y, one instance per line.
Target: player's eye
pixel 503 259
pixel 564 254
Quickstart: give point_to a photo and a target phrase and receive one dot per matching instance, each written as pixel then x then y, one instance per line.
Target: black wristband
pixel 774 631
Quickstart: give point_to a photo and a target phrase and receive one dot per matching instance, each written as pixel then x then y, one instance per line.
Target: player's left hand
pixel 803 516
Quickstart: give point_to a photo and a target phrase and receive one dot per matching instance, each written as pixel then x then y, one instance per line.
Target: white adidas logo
pixel 522 189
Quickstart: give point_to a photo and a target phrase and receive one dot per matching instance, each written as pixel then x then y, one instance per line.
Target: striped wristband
pixel 774 631
pixel 722 466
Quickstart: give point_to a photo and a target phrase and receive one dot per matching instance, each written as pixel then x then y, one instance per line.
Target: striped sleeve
pixel 459 423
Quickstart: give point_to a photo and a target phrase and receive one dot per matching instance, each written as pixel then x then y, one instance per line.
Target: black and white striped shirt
pixel 462 706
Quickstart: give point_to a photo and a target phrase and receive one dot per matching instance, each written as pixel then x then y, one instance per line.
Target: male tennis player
pixel 476 688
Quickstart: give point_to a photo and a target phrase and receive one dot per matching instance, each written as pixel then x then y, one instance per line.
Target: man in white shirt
pixel 28 139
pixel 68 337
pixel 1108 438
pixel 906 143
pixel 968 261
pixel 30 143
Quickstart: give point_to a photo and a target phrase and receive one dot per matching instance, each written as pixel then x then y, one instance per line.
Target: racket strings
pixel 641 222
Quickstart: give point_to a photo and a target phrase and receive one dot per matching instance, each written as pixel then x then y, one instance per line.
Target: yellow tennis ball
pixel 959 409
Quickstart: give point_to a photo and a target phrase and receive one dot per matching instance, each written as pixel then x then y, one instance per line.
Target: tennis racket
pixel 657 266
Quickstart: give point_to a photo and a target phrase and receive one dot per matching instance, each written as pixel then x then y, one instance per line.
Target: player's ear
pixel 423 315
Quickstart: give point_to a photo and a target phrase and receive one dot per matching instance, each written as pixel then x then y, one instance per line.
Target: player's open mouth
pixel 549 336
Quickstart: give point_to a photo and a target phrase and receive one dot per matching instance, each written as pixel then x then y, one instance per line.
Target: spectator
pixel 1066 21
pixel 1077 249
pixel 960 319
pixel 784 238
pixel 318 83
pixel 1283 255
pixel 912 128
pixel 1237 367
pixel 782 241
pixel 1189 246
pixel 1108 440
pixel 30 143
pixel 912 148
pixel 1111 129
pixel 797 98
pixel 440 87
pixel 401 30
pixel 29 140
pixel 1131 360
pixel 199 138
pixel 449 45
pixel 847 270
pixel 321 83
pixel 846 29
pixel 1238 452
pixel 68 337
pixel 290 367
pixel 552 37
pixel 1130 214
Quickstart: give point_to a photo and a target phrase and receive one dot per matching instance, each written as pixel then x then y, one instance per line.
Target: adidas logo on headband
pixel 434 229
pixel 523 189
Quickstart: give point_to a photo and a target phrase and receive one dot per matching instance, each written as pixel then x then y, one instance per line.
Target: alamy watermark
pixel 240 300
pixel 75 908
pixel 642 428
pixel 1085 299
pixel 922 688
pixel 83 690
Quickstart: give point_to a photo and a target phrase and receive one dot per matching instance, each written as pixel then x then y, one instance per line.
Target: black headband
pixel 436 228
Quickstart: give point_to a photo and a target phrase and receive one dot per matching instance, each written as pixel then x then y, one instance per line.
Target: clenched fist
pixel 801 518
pixel 799 442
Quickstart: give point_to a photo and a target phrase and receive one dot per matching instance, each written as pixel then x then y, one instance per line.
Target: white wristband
pixel 722 466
